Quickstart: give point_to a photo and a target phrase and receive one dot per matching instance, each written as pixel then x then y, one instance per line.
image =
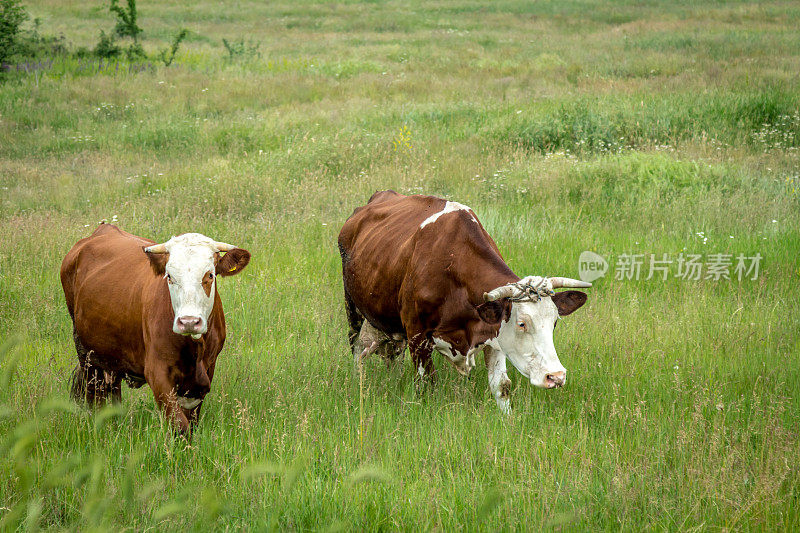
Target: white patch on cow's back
pixel 449 207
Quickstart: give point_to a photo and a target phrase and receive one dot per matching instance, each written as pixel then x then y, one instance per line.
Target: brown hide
pixel 422 282
pixel 122 317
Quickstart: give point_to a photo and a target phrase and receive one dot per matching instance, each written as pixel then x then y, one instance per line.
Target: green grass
pixel 617 127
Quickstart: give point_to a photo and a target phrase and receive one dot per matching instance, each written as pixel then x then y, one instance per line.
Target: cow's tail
pixel 354 318
pixel 77 388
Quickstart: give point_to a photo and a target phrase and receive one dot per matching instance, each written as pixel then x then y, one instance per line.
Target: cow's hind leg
pixel 77 389
pixel 393 350
pixel 99 385
pixel 80 376
pixel 90 383
pixel 355 320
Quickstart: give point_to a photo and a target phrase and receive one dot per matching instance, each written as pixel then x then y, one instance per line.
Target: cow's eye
pixel 169 278
pixel 522 326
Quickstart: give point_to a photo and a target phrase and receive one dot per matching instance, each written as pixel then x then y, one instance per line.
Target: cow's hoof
pixel 504 404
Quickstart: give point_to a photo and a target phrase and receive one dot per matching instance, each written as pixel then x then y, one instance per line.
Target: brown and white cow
pixel 148 313
pixel 422 270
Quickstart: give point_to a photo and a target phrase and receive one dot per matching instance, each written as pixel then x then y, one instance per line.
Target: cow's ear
pixel 568 301
pixel 158 262
pixel 233 262
pixel 495 312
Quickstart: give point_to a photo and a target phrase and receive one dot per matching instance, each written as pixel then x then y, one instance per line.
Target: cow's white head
pixel 190 264
pixel 528 311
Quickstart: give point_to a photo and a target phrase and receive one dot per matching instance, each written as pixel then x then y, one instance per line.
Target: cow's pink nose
pixel 556 379
pixel 189 323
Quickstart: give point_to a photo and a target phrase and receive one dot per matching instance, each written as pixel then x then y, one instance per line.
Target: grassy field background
pixel 617 127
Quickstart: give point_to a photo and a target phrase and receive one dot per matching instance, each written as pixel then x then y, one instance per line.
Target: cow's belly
pixel 110 349
pixel 109 323
pixel 377 302
pixel 387 323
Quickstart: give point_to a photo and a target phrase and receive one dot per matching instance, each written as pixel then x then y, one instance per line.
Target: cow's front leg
pixel 421 349
pixel 115 386
pixel 499 383
pixel 193 415
pixel 167 399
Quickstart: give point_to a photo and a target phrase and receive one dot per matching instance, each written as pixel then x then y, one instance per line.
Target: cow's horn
pixel 223 247
pixel 156 249
pixel 559 283
pixel 500 292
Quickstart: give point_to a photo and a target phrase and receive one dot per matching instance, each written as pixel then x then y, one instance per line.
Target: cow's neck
pixel 488 273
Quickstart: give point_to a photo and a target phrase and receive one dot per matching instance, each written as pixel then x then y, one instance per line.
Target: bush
pixel 106 47
pixel 167 55
pixel 126 20
pixel 127 26
pixel 12 15
pixel 241 49
pixel 33 45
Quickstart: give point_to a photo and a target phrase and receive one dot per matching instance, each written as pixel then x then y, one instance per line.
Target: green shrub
pixel 106 47
pixel 167 55
pixel 127 25
pixel 237 49
pixel 12 15
pixel 33 45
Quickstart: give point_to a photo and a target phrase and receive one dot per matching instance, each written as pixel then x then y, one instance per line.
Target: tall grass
pixel 567 126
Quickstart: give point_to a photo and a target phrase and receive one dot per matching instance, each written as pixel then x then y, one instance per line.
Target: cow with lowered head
pixel 422 271
pixel 148 313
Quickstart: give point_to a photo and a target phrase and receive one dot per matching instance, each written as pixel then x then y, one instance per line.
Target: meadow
pixel 616 127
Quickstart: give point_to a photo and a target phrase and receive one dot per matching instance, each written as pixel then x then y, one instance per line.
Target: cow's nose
pixel 189 324
pixel 556 379
pixel 197 391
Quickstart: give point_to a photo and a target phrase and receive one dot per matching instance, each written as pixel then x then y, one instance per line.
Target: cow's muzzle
pixel 194 395
pixel 188 402
pixel 556 379
pixel 189 325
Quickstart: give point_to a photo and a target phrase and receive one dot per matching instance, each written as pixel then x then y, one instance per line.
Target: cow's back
pixel 376 244
pixel 411 253
pixel 388 222
pixel 104 276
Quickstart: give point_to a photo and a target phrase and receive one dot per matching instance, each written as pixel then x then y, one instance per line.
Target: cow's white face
pixel 191 278
pixel 526 339
pixel 190 265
